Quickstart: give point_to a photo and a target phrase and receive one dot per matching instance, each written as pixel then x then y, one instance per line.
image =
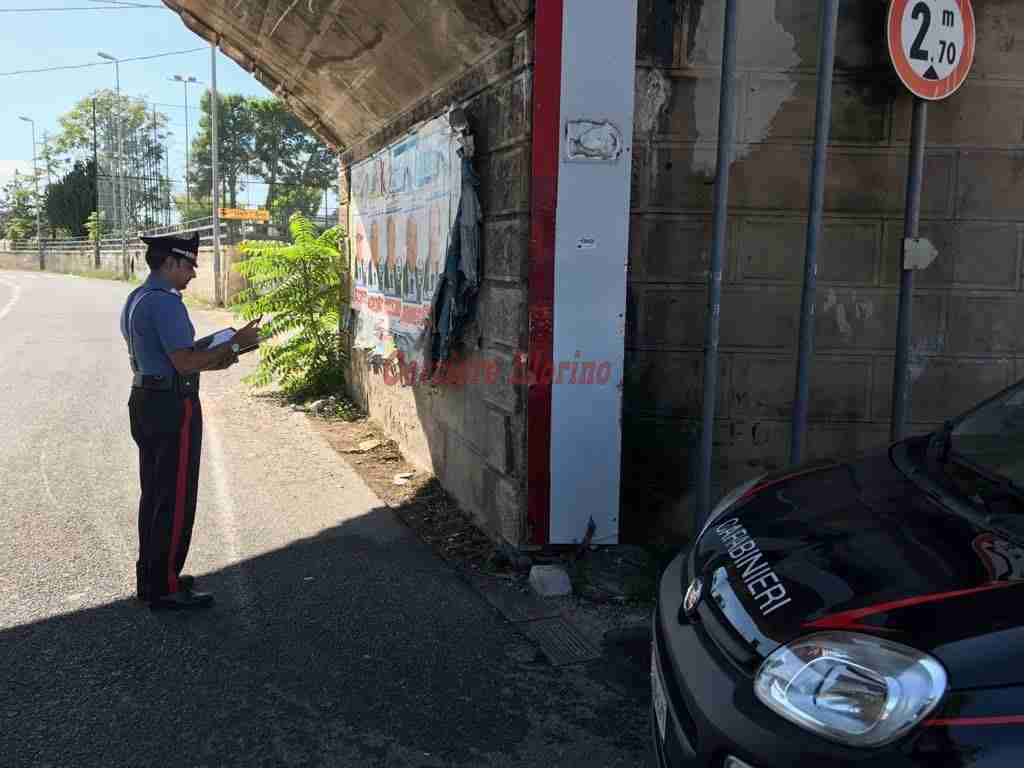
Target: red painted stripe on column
pixel 180 492
pixel 547 97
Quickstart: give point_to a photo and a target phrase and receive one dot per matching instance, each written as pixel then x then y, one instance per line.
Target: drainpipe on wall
pixel 826 64
pixel 726 139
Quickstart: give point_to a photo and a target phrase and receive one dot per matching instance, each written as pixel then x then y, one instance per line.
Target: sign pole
pixel 911 226
pixel 218 298
pixel 931 45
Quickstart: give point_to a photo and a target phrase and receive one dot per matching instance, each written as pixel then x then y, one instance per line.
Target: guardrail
pixel 231 233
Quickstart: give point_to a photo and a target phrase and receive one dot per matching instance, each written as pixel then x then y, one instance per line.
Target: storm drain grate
pixel 560 641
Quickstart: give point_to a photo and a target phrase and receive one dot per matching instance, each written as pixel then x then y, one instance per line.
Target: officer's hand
pixel 226 359
pixel 249 335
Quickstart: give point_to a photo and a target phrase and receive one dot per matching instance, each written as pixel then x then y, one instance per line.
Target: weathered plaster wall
pixel 473 436
pixel 968 308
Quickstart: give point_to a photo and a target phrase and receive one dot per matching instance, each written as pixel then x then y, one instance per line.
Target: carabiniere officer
pixel 167 418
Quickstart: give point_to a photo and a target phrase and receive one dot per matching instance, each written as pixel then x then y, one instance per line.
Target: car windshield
pixel 992 437
pixel 986 460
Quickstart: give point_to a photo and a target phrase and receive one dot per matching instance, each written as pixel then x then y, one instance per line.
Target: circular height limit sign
pixel 931 44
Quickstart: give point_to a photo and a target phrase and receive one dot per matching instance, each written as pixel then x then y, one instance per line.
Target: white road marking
pixel 14 298
pixel 228 521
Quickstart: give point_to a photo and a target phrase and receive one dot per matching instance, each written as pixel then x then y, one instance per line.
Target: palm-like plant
pixel 302 287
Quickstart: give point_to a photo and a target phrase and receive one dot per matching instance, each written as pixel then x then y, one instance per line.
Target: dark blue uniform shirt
pixel 160 325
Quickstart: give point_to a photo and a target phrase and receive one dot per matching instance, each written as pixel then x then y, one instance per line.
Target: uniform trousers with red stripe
pixel 168 428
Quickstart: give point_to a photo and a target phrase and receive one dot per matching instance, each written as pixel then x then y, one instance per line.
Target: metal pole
pixel 115 181
pixel 215 196
pixel 827 25
pixel 39 202
pixel 726 134
pixel 155 169
pixel 96 207
pixel 901 373
pixel 120 171
pixel 188 199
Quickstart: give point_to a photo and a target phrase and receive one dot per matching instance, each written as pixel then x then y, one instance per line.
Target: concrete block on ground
pixel 550 581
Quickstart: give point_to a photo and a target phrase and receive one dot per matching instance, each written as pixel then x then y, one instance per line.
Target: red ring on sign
pixel 932 90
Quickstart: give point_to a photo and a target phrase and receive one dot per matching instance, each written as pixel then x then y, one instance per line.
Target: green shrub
pixel 300 290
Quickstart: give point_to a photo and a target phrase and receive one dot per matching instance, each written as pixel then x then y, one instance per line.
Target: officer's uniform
pixel 167 425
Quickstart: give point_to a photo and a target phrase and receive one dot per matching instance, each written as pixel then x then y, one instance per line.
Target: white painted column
pixel 590 256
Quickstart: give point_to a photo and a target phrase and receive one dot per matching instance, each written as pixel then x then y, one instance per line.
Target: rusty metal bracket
pixel 918 253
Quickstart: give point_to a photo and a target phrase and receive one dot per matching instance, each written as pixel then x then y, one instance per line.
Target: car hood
pixel 862 548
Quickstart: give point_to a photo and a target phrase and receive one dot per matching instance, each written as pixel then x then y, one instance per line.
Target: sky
pixel 37 39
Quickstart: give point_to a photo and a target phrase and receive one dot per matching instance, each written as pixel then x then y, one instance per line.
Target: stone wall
pixel 473 437
pixel 968 309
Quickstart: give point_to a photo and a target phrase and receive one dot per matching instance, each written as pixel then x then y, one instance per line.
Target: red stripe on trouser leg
pixel 180 491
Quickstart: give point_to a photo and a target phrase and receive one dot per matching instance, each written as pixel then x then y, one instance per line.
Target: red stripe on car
pixel 972 721
pixel 851 620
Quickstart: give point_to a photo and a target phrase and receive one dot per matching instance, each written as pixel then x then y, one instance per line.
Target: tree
pixel 18 209
pixel 96 226
pixel 286 154
pixel 301 286
pixel 69 201
pixel 234 147
pixel 301 200
pixel 261 137
pixel 194 207
pixel 143 132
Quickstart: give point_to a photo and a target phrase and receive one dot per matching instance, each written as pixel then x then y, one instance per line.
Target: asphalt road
pixel 337 639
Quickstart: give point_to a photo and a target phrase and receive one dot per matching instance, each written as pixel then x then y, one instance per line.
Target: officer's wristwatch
pixel 235 348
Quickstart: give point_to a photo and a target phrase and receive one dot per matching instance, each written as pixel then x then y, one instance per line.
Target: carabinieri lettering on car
pixel 753 569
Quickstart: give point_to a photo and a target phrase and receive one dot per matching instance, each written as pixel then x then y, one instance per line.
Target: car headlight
pixel 855 689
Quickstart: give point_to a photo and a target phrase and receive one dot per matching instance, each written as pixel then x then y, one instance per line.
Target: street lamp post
pixel 39 202
pixel 119 208
pixel 186 79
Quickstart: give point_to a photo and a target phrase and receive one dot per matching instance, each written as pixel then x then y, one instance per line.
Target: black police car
pixel 855 614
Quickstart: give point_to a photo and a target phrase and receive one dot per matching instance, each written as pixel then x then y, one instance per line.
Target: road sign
pixel 245 214
pixel 931 44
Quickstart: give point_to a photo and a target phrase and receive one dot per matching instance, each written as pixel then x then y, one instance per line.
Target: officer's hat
pixel 173 245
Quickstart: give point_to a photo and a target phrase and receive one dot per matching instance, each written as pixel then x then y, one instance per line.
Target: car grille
pixel 715 627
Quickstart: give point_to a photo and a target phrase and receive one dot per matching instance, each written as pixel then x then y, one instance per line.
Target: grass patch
pixel 98 274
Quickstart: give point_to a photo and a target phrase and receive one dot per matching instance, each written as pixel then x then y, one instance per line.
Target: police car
pixel 855 614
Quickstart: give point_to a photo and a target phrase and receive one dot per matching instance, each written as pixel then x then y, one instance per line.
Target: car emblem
pixel 693 596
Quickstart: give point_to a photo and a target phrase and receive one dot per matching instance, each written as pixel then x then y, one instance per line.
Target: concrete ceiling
pixel 348 67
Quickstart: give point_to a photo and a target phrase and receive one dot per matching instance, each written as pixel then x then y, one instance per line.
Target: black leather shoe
pixel 182 601
pixel 186 583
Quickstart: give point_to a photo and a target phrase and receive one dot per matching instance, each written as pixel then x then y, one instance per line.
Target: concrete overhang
pixel 347 68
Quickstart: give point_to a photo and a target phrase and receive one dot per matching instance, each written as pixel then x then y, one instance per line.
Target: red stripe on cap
pixel 180 490
pixel 850 620
pixel 547 96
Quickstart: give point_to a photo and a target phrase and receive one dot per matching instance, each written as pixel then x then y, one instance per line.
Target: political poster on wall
pixel 402 202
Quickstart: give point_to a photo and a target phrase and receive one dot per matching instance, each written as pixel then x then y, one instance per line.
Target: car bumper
pixel 712 711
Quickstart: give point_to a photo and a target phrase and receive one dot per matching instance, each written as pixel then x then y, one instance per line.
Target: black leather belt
pixel 183 385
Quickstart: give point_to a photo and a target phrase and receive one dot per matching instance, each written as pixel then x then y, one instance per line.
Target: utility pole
pixel 218 297
pixel 186 79
pixel 98 232
pixel 49 180
pixel 119 198
pixel 39 203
